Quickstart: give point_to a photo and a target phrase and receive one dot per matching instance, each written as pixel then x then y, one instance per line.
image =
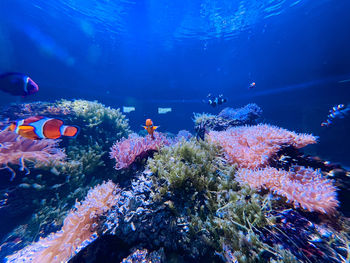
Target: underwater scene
pixel 174 131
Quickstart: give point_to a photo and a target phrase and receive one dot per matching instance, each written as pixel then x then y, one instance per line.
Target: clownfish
pixel 150 128
pixel 39 127
pixel 337 112
pixel 215 101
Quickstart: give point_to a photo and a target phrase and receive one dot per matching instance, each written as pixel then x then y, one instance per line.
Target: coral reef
pixel 245 115
pixel 127 150
pixel 304 187
pixel 79 229
pixel 135 207
pixel 227 118
pixel 142 256
pixel 108 124
pixel 215 200
pixel 187 166
pixel 191 202
pixel 195 183
pixel 183 134
pixel 82 160
pixel 15 111
pixel 17 150
pixel 309 241
pixel 253 146
pixel 48 192
pixel 98 123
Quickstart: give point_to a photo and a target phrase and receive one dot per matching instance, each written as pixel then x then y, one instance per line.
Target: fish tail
pixel 70 131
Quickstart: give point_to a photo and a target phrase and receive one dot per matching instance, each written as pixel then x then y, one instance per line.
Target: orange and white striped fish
pixel 39 127
pixel 150 128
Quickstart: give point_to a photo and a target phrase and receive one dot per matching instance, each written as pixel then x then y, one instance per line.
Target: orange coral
pixel 16 150
pixel 79 229
pixel 304 187
pixel 253 146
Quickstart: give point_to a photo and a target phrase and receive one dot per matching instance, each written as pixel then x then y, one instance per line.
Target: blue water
pixel 150 54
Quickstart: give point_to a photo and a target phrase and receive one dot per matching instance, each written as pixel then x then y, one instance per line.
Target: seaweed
pixel 195 182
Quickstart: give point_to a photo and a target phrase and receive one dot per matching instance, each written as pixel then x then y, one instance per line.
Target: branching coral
pixel 15 149
pixel 82 160
pixel 127 150
pixel 202 118
pixel 228 117
pixel 95 114
pixel 143 256
pixel 253 146
pixel 304 187
pixel 247 114
pixel 79 229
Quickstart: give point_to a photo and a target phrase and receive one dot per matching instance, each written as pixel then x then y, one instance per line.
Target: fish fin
pixel 155 127
pixel 32 119
pixel 70 131
pixel 26 128
pixel 28 134
pixel 145 127
pixel 7 128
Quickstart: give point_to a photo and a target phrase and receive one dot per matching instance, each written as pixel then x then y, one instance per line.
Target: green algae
pixel 199 118
pixel 195 182
pixel 104 124
pixel 189 168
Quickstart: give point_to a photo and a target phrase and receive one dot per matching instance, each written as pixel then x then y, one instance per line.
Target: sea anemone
pixel 253 146
pixel 16 150
pixel 79 229
pixel 127 150
pixel 303 187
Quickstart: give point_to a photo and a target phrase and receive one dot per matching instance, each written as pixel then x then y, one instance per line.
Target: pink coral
pixel 79 229
pixel 304 187
pixel 253 146
pixel 126 151
pixel 15 149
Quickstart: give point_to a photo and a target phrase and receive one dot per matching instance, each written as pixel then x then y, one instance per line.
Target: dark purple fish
pixel 17 84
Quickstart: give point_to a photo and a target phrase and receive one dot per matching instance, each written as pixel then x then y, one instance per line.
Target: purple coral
pixel 246 114
pixel 15 149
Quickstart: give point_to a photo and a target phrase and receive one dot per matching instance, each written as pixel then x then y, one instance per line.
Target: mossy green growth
pixel 97 120
pixel 199 118
pixel 82 159
pixel 195 182
pixel 188 168
pixel 239 216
